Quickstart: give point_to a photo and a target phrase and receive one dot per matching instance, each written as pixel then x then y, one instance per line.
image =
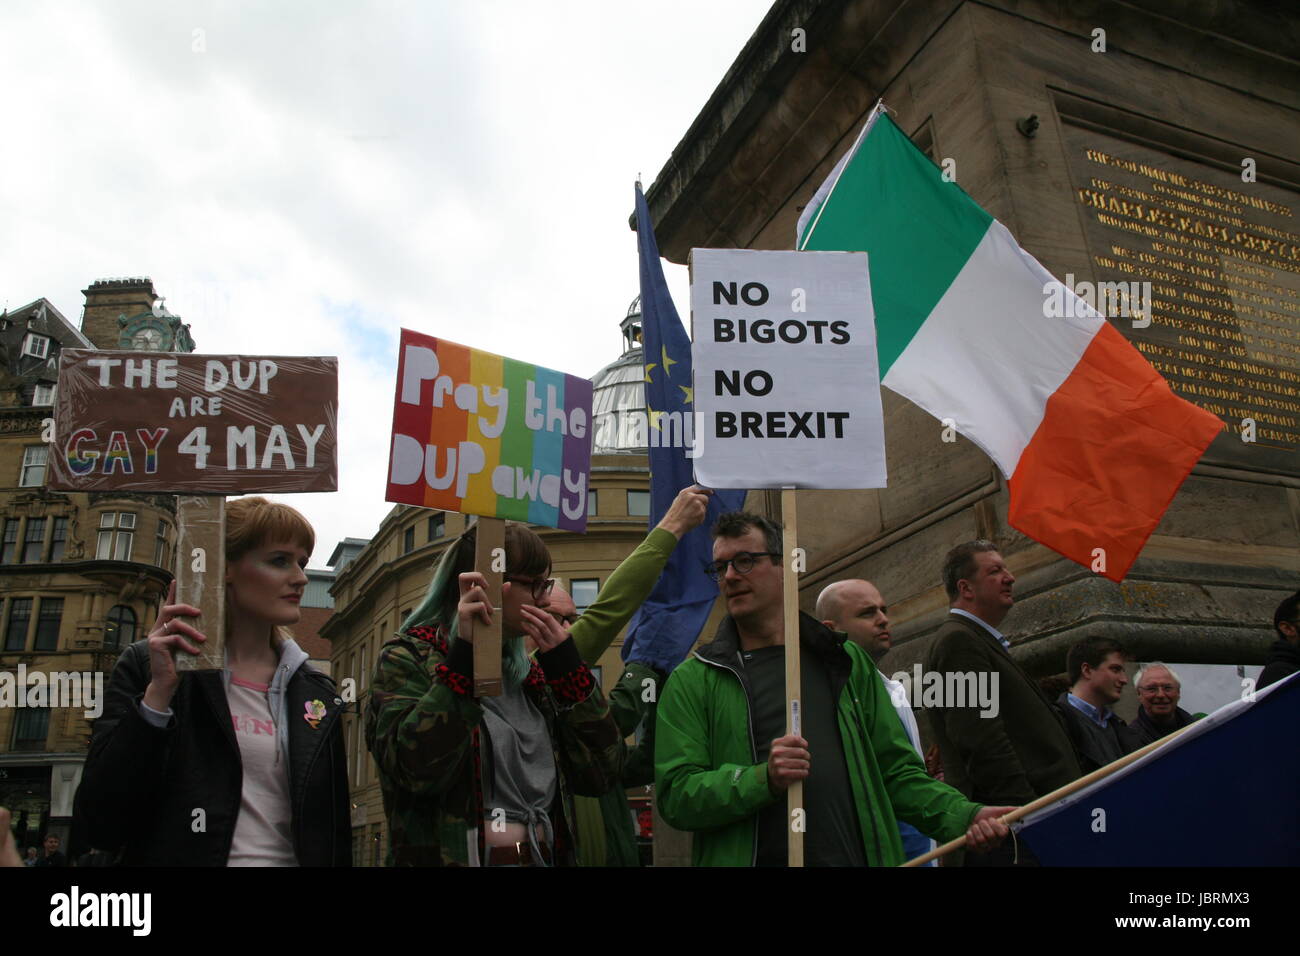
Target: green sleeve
pixel 934 808
pixel 624 592
pixel 418 729
pixel 692 794
pixel 629 703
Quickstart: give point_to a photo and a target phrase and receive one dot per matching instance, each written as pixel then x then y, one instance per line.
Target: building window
pixel 10 547
pixel 591 503
pixel 116 534
pixel 437 526
pixel 58 539
pixel 584 591
pixel 638 504
pixel 33 466
pixel 37 346
pixel 119 630
pixel 44 395
pixel 160 545
pixel 34 541
pixel 20 615
pixel 31 729
pixel 408 541
pixel 47 624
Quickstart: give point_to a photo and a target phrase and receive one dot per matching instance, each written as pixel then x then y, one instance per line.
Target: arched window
pixel 119 631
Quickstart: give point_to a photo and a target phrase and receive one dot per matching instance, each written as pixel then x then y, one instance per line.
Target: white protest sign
pixel 787 390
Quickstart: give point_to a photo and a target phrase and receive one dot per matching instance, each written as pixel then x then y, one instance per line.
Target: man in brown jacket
pixel 1017 750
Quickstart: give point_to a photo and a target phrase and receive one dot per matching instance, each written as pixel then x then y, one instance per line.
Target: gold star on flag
pixel 689 392
pixel 649 366
pixel 654 419
pixel 668 362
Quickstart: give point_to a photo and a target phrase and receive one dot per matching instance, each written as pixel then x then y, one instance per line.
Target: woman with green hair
pixel 479 782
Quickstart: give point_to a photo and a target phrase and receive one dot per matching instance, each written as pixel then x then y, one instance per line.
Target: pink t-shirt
pixel 263 835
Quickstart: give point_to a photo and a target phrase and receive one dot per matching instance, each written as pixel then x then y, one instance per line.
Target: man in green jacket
pixel 723 759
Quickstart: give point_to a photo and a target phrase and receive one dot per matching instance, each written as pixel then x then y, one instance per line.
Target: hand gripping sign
pixel 787 392
pixel 490 436
pixel 199 426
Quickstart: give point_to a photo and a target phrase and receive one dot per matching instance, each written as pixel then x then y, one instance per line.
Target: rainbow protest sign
pixel 487 435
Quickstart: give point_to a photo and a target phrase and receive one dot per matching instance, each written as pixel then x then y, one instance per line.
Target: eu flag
pixel 1223 793
pixel 664 629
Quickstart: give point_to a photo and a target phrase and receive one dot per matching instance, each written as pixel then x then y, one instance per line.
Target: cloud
pixel 302 178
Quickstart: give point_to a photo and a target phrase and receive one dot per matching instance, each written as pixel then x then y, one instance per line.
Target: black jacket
pixel 1283 661
pixel 1094 746
pixel 143 787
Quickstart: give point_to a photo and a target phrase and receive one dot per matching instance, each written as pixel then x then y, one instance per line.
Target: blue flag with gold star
pixel 664 629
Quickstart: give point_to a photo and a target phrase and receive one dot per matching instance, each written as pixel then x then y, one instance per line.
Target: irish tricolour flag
pixel 1093 442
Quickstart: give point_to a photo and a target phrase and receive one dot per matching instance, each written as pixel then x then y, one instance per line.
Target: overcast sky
pixel 305 178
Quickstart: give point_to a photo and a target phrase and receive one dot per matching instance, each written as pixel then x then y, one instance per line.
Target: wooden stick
pixel 1060 793
pixel 793 681
pixel 201 576
pixel 489 553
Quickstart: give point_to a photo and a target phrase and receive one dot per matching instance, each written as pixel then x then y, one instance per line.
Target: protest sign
pixel 168 422
pixel 482 434
pixel 787 388
pixel 787 395
pixel 202 426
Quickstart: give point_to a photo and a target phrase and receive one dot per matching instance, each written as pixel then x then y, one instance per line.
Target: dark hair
pixel 526 556
pixel 735 524
pixel 1091 651
pixel 1286 612
pixel 959 565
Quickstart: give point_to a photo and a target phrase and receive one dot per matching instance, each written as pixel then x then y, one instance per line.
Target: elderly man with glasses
pixel 723 761
pixel 1159 715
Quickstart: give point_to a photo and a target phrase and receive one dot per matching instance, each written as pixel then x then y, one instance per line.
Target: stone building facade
pixel 1061 120
pixel 80 574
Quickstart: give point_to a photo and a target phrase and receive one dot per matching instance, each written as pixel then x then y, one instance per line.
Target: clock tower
pixel 129 314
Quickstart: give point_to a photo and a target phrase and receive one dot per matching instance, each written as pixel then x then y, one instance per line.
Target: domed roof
pixel 618 395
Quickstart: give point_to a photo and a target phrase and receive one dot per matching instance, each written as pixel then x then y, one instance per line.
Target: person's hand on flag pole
pixel 687 511
pixel 986 830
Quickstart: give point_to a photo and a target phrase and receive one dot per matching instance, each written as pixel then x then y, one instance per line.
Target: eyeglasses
pixel 540 586
pixel 742 562
pixel 1157 688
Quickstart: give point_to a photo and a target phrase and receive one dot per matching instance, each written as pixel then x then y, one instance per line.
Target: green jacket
pixel 709 780
pixel 606 836
pixel 424 729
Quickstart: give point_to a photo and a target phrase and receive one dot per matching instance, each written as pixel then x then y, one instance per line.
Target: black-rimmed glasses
pixel 742 562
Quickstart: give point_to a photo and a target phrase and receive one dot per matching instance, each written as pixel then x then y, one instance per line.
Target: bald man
pixel 856 608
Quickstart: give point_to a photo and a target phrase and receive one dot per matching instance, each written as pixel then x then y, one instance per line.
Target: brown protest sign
pixel 170 422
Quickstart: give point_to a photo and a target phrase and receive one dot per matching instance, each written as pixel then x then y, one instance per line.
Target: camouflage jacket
pixel 424 728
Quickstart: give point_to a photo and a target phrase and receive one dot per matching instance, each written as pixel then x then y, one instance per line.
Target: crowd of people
pixel 246 765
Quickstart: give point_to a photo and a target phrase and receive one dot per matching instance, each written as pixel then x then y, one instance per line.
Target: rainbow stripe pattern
pixel 483 434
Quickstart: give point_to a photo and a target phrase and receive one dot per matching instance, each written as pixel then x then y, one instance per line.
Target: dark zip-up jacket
pixel 170 796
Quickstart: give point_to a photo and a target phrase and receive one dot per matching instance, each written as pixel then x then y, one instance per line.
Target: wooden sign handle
pixel 201 575
pixel 796 818
pixel 489 553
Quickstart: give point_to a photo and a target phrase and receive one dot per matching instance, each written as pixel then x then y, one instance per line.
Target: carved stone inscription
pixel 1223 259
